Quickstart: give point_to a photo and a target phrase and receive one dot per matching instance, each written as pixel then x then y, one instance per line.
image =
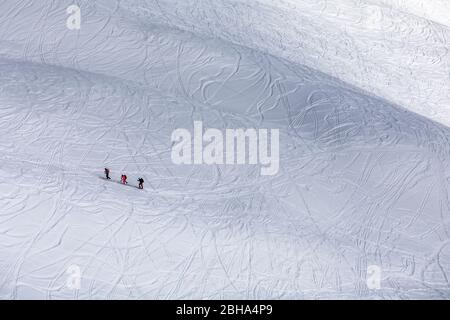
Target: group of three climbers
pixel 123 179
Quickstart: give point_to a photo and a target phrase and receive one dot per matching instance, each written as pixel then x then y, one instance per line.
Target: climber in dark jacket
pixel 107 174
pixel 141 183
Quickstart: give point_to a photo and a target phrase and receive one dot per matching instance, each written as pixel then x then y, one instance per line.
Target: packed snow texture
pixel 359 91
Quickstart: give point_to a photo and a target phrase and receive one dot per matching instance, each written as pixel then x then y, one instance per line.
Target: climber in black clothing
pixel 141 183
pixel 107 174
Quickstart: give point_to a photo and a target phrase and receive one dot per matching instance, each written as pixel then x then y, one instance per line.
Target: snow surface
pixel 364 176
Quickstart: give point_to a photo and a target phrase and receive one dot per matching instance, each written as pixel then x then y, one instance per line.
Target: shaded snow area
pixel 358 89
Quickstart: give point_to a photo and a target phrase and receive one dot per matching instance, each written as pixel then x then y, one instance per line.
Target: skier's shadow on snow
pixel 115 181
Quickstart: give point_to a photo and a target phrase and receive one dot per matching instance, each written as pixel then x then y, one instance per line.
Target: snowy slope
pixel 362 181
pixel 397 49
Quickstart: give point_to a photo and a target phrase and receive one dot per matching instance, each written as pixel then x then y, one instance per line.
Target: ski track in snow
pixel 362 181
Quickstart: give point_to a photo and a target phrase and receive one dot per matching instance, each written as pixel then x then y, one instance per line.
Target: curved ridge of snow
pixel 388 48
